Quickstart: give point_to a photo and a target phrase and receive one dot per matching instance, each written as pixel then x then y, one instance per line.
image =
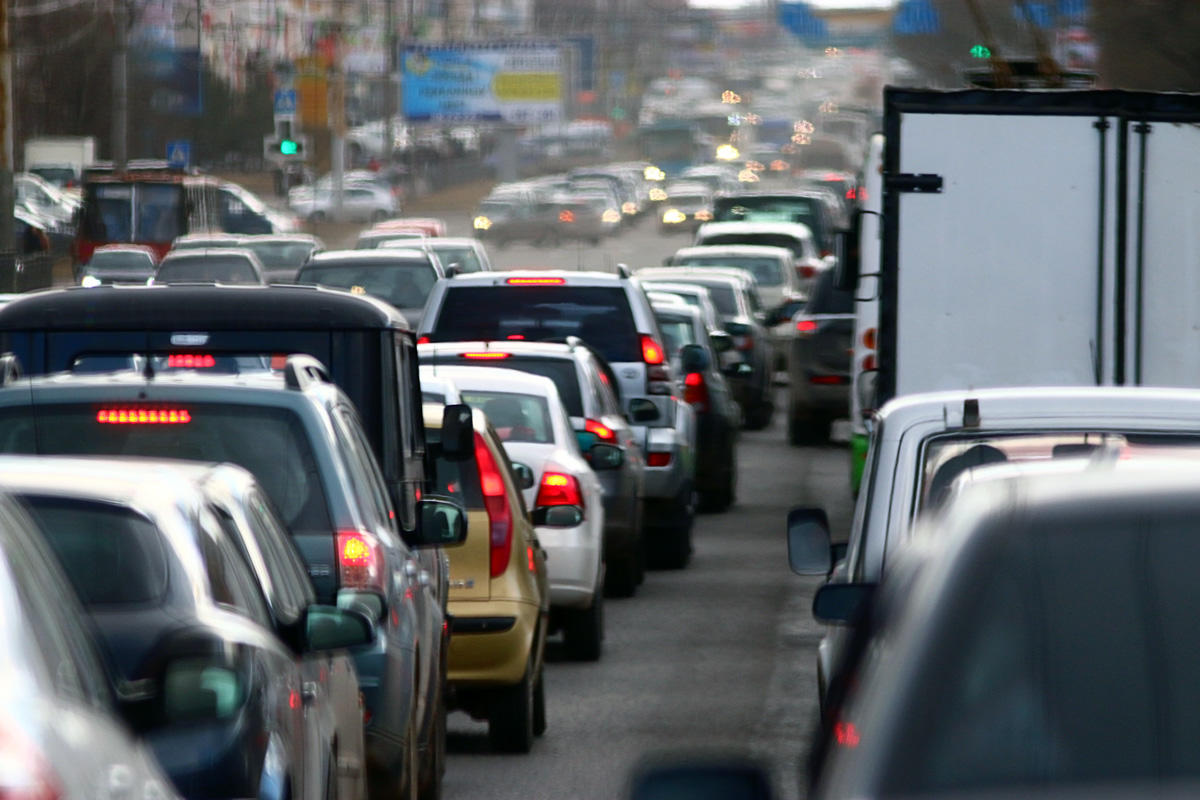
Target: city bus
pixel 673 145
pixel 147 203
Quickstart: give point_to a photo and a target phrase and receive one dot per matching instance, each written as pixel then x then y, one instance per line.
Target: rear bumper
pixel 572 564
pixel 817 398
pixel 483 651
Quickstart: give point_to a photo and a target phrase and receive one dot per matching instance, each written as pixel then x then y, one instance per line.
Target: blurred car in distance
pixel 119 263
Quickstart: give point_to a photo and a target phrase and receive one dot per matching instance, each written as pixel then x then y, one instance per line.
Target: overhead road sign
pixel 915 18
pixel 285 102
pixel 179 154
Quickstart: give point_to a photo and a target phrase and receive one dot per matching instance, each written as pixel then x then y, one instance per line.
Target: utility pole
pixel 7 243
pixel 1002 74
pixel 389 81
pixel 120 72
pixel 338 123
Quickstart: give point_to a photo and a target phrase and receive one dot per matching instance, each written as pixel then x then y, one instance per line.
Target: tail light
pixel 566 216
pixel 869 362
pixel 24 771
pixel 360 561
pixel 422 340
pixel 652 352
pixel 143 416
pixel 191 361
pixel 869 338
pixel 805 327
pixel 658 459
pixel 602 431
pixel 558 489
pixel 826 253
pixel 490 355
pixel 536 281
pixel 695 391
pixel 743 342
pixel 828 380
pixel 658 375
pixel 495 501
pixel 806 271
pixel 845 734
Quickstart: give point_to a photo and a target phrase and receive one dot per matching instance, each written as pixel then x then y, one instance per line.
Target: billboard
pixel 520 83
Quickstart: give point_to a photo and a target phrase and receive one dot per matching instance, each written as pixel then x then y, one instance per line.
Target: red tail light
pixel 360 561
pixel 745 342
pixel 695 391
pixel 24 772
pixel 495 500
pixel 602 431
pixel 806 326
pixel 826 253
pixel 658 459
pixel 488 356
pixel 558 489
pixel 869 363
pixel 422 340
pixel 190 361
pixel 806 271
pixel 566 216
pixel 143 416
pixel 828 380
pixel 652 352
pixel 845 734
pixel 869 338
pixel 535 281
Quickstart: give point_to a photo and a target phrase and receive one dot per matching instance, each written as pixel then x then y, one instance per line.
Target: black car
pixel 822 336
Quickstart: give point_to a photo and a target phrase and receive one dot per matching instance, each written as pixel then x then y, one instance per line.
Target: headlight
pixel 727 152
pixel 629 208
pixel 657 195
pixel 703 216
pixel 482 223
pixel 611 215
pixel 89 281
pixel 674 216
pixel 779 165
pixel 654 174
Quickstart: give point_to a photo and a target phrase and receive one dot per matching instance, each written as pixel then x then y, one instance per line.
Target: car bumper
pixel 572 564
pixel 831 399
pixel 490 641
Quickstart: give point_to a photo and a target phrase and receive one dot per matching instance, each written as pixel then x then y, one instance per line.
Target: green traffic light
pixel 980 51
pixel 289 147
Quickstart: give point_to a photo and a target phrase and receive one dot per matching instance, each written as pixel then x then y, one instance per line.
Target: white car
pixel 360 203
pixel 561 490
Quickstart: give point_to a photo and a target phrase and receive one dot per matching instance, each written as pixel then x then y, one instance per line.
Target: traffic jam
pixel 817 425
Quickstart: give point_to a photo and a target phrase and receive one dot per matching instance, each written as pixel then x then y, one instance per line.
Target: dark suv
pixel 822 335
pixel 300 436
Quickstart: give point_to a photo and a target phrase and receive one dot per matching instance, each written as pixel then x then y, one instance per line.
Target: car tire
pixel 621 579
pixel 722 498
pixel 583 632
pixel 511 716
pixel 671 544
pixel 808 430
pixel 539 704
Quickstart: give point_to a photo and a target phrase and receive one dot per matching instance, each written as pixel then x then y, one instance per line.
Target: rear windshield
pixel 767 209
pixel 269 442
pixel 599 315
pixel 764 239
pixel 404 284
pixel 112 555
pixel 516 417
pixel 458 479
pixel 123 262
pixel 279 255
pixel 827 298
pixel 766 271
pixel 677 331
pixel 209 268
pixel 722 295
pixel 559 370
pixel 463 256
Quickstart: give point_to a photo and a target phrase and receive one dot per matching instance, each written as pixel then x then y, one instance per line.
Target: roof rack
pixel 302 371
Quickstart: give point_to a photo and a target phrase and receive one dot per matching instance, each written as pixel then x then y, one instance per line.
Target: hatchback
pixel 403 278
pixel 229 265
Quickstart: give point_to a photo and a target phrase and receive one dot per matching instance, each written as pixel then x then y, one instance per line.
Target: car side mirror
pixel 848 242
pixel 453 270
pixel 721 341
pixel 694 358
pixel 643 410
pixel 586 440
pixel 458 433
pixel 731 778
pixel 603 457
pixel 523 474
pixel 841 603
pixel 200 689
pixel 443 523
pixel 332 628
pixel 809 551
pixel 556 516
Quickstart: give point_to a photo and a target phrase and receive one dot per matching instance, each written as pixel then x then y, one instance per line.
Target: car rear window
pixel 827 298
pixel 560 370
pixel 766 209
pixel 404 284
pixel 722 295
pixel 516 417
pixel 113 261
pixel 277 255
pixel 219 268
pixel 599 315
pixel 458 479
pixel 112 555
pixel 677 331
pixel 269 442
pixel 766 271
pixel 764 239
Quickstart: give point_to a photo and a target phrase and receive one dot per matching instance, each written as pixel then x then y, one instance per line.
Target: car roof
pixel 207 307
pixel 450 241
pixel 734 249
pixel 486 378
pixel 570 277
pixel 721 274
pixel 795 229
pixel 681 309
pixel 386 255
pixel 305 238
pixel 517 348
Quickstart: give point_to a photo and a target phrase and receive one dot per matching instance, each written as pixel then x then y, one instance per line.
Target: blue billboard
pixel 518 83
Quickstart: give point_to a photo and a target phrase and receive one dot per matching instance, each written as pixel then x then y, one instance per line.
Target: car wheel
pixel 621 580
pixel 721 498
pixel 539 704
pixel 584 631
pixel 511 716
pixel 804 429
pixel 671 545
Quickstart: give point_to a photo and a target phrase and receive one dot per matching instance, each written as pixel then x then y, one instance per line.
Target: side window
pixel 229 577
pixel 294 587
pixel 604 388
pixel 370 490
pixel 752 299
pixel 412 424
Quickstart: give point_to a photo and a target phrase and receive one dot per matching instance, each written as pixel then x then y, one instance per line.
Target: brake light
pixel 24 771
pixel 806 271
pixel 828 380
pixel 869 363
pixel 488 356
pixel 602 431
pixel 806 326
pixel 658 459
pixel 515 337
pixel 745 342
pixel 869 338
pixel 495 501
pixel 695 391
pixel 652 352
pixel 558 489
pixel 190 361
pixel 144 416
pixel 422 340
pixel 360 561
pixel 564 216
pixel 845 734
pixel 536 281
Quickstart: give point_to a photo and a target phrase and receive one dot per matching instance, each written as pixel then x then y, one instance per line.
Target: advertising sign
pixel 487 82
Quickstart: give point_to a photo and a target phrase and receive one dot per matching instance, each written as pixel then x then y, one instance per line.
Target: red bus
pixel 148 203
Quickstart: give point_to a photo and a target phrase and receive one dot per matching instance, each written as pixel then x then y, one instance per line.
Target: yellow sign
pixel 527 86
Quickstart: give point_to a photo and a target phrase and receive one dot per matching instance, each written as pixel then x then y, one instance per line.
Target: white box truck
pixel 60 159
pixel 1034 238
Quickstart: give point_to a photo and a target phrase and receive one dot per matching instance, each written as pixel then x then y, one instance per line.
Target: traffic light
pixel 981 51
pixel 285 143
pixel 289 147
